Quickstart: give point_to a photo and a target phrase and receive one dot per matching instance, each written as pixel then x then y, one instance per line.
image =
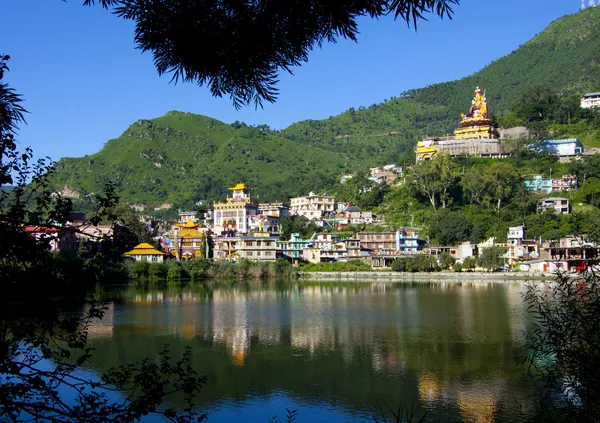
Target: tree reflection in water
pixel 450 347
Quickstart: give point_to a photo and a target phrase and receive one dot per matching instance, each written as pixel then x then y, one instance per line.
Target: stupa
pixel 476 135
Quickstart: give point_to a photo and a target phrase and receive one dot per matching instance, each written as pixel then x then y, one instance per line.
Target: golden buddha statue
pixel 478 113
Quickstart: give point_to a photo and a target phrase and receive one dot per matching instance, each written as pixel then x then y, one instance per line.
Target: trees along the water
pixel 446 260
pixel 491 258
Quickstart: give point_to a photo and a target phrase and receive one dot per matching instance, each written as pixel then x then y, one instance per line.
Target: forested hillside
pixel 179 158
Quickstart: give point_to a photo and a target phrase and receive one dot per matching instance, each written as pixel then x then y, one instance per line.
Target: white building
pixel 566 147
pixel 558 204
pixel 590 100
pixel 313 206
pixel 232 215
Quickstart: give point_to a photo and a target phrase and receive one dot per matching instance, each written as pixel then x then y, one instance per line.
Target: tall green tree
pixel 491 258
pixel 502 184
pixel 538 102
pixel 435 179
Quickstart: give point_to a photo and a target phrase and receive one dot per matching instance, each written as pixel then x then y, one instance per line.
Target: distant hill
pixel 181 157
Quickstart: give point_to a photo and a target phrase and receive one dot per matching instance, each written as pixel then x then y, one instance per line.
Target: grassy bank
pixel 200 268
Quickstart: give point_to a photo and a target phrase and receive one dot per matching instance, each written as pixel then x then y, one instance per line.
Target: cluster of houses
pixel 241 228
pixel 245 229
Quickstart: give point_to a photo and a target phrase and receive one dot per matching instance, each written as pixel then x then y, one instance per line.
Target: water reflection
pixel 451 347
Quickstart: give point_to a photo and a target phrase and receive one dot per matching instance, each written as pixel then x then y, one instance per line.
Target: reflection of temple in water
pixel 437 337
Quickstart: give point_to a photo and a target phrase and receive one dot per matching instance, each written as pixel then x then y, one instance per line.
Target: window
pixel 154 258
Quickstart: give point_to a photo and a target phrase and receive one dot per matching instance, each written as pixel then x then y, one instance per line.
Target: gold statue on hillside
pixel 478 113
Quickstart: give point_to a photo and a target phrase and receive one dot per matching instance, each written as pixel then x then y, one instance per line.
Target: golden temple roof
pixel 190 225
pixel 144 249
pixel 240 186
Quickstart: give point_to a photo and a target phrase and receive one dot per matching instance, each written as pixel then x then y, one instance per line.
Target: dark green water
pixel 333 351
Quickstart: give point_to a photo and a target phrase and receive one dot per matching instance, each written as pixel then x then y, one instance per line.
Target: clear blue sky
pixel 85 83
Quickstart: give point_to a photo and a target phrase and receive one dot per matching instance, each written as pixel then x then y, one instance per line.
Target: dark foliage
pixel 44 315
pixel 238 48
pixel 564 345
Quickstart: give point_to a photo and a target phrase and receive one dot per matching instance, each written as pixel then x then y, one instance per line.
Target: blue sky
pixel 84 82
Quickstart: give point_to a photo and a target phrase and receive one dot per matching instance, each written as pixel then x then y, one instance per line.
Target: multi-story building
pixel 590 100
pixel 566 183
pixel 263 223
pixel 537 183
pixel 232 215
pixel 378 241
pixel 565 147
pixel 293 248
pixel 313 206
pixel 382 176
pixel 344 250
pixel 186 241
pixel 558 204
pixel 258 247
pixel 404 241
pixel 273 209
pixel 355 216
pixel 408 241
pixel 518 247
pixel 53 238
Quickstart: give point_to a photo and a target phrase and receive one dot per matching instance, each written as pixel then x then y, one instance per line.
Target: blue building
pixel 539 184
pixel 408 241
pixel 566 147
pixel 292 249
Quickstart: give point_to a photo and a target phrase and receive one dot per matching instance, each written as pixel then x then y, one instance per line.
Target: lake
pixel 336 352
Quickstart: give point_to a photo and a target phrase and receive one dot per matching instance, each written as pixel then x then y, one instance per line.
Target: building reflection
pixel 445 336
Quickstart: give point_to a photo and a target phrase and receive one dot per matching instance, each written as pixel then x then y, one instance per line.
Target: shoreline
pixel 421 276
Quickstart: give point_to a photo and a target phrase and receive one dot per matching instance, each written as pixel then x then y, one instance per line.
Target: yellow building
pixel 145 252
pixel 186 241
pixel 232 214
pixel 476 135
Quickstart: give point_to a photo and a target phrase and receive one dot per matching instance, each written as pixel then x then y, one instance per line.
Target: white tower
pixel 582 4
pixel 591 3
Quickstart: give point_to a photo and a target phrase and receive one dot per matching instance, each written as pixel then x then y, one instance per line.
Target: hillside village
pixel 239 227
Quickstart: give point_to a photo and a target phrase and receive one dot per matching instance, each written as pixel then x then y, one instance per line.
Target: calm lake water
pixel 333 351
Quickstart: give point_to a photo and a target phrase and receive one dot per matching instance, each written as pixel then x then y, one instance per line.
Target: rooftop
pixel 144 249
pixel 240 186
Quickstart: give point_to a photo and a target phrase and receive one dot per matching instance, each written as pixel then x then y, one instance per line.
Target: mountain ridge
pixel 181 157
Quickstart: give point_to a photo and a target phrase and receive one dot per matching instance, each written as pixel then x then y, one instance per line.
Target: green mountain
pixel 180 157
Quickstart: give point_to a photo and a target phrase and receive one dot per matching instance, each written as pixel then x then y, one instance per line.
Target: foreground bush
pixel 564 345
pixel 349 266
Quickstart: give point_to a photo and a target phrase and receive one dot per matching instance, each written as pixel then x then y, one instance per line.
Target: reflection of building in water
pixel 429 387
pixel 103 328
pixel 477 407
pixel 517 311
pixel 230 325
